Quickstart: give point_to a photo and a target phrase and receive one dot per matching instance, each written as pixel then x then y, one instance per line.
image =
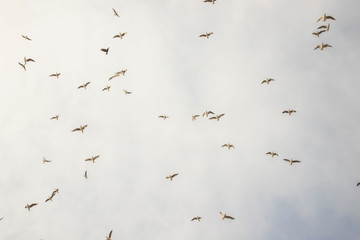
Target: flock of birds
pixel 208 114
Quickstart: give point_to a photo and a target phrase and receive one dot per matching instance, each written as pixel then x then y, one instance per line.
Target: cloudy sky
pixel 172 71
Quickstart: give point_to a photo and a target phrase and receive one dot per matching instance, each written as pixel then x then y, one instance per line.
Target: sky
pixel 172 71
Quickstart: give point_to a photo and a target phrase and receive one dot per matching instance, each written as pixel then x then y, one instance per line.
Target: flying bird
pixel 291 161
pixel 30 206
pixel 326 27
pixel 207 113
pixel 322 46
pixel 1 218
pixel 358 184
pixel 23 65
pixel 85 175
pixel 194 117
pixel 272 154
pixel 105 50
pixel 55 75
pixel 317 33
pixel 49 198
pixel 55 117
pixel 290 111
pixel 127 92
pixel 217 117
pixel 207 35
pixel 228 145
pixel 81 128
pixel 226 216
pixel 115 75
pixel 210 1
pixel 84 85
pixel 28 60
pixel 107 88
pixel 45 160
pixel 92 158
pixel 115 13
pixel 172 176
pixel 120 35
pixel 26 37
pixel 164 117
pixel 196 218
pixel 268 80
pixel 109 237
pixel 324 17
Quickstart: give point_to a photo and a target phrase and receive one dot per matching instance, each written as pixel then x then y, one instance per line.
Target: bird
pixel 212 1
pixel 30 206
pixel 26 37
pixel 120 35
pixel 272 154
pixel 268 80
pixel 23 65
pixel 28 60
pixel 324 17
pixel 109 237
pixel 327 27
pixel 206 113
pixel 164 117
pixel 172 176
pixel 115 13
pixel 105 50
pixel 1 218
pixel 194 117
pixel 49 198
pixel 291 161
pixel 84 85
pixel 81 128
pixel 226 216
pixel 317 33
pixel 107 88
pixel 55 75
pixel 126 92
pixel 85 175
pixel 207 35
pixel 55 117
pixel 115 75
pixel 289 111
pixel 92 158
pixel 228 145
pixel 196 218
pixel 45 160
pixel 217 117
pixel 358 184
pixel 322 46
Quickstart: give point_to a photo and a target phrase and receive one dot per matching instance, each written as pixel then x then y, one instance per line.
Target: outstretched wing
pixel 229 217
pixel 294 161
pixel 330 17
pixel 76 129
pixel 285 159
pixel 174 175
pixel 32 205
pixel 110 234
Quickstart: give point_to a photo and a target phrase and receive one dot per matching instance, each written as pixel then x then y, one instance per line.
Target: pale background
pixel 174 72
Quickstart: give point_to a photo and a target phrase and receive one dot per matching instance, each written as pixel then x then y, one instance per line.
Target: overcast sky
pixel 172 71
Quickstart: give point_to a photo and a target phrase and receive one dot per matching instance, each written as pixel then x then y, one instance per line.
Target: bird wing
pixel 32 205
pixel 110 234
pixel 174 175
pixel 322 31
pixel 221 115
pixel 294 161
pixel 286 160
pixel 323 26
pixel 210 112
pixel 229 217
pixel 80 86
pixel 319 19
pixel 212 118
pixel 318 46
pixel 225 145
pixel 327 45
pixel 87 84
pixel 330 17
pixel 96 156
pixel 88 159
pixel 202 35
pixel 263 82
pixel 268 153
pixel 286 111
pixel 76 129
pixel 53 75
pixel 275 154
pixel 358 184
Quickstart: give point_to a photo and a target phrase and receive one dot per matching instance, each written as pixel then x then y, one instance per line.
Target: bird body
pixel 105 50
pixel 30 206
pixel 325 17
pixel 81 128
pixel 290 111
pixel 226 216
pixel 93 158
pixel 228 145
pixel 291 161
pixel 164 117
pixel 207 35
pixel 45 160
pixel 217 117
pixel 196 218
pixel 272 154
pixel 55 75
pixel 172 176
pixel 84 85
pixel 267 81
pixel 55 117
pixel 322 46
